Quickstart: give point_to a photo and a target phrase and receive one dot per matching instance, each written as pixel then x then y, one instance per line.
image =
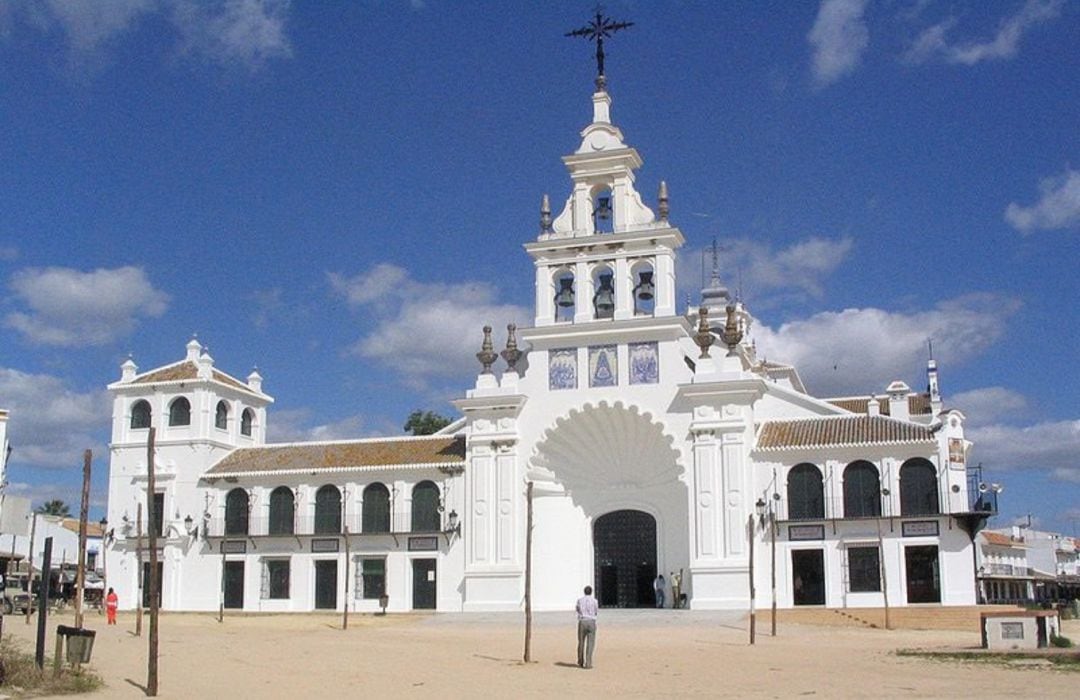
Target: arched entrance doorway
pixel 624 551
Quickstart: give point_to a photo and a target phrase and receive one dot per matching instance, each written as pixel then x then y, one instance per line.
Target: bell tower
pixel 606 256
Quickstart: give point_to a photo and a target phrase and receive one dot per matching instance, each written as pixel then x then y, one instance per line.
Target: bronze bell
pixel 645 288
pixel 604 299
pixel 565 296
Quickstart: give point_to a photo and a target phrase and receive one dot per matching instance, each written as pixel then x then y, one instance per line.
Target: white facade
pixel 648 453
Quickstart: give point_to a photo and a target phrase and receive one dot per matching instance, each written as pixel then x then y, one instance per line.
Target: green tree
pixel 425 422
pixel 55 507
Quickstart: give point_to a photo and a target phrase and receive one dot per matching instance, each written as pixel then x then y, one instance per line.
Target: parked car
pixel 17 601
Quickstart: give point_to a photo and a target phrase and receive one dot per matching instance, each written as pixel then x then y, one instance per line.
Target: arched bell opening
pixel 643 279
pixel 603 211
pixel 565 295
pixel 604 298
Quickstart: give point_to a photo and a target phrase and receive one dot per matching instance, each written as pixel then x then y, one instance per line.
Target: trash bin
pixel 79 642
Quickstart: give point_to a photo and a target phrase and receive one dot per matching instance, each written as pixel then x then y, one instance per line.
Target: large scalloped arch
pixel 609 445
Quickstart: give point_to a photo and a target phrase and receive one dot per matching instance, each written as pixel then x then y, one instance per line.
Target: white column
pixel 708 507
pixel 507 486
pixel 665 284
pixel 545 297
pixel 738 503
pixel 479 478
pixel 624 285
pixel 583 306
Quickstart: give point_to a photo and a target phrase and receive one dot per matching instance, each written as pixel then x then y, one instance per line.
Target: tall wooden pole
pixel 151 518
pixel 772 534
pixel 30 575
pixel 753 589
pixel 884 578
pixel 528 570
pixel 345 618
pixel 142 583
pixel 43 603
pixel 80 567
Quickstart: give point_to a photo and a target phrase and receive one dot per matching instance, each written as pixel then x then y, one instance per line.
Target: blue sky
pixel 338 193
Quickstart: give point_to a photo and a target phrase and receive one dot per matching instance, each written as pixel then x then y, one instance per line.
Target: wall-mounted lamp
pixel 453 526
pixel 191 527
pixel 759 508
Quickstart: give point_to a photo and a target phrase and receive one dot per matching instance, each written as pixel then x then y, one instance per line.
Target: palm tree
pixel 55 507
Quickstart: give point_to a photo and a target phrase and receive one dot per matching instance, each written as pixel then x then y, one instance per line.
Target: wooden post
pixel 528 570
pixel 884 578
pixel 139 577
pixel 151 519
pixel 57 653
pixel 753 589
pixel 345 618
pixel 80 566
pixel 30 574
pixel 772 535
pixel 104 568
pixel 221 593
pixel 43 603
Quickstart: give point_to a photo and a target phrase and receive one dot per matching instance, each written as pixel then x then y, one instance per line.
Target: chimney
pixel 873 408
pixel 206 366
pixel 193 350
pixel 898 400
pixel 128 370
pixel 254 381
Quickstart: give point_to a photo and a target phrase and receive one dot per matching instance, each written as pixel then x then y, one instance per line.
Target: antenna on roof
pixel 930 347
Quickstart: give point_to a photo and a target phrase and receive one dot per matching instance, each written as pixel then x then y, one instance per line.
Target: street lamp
pixel 759 510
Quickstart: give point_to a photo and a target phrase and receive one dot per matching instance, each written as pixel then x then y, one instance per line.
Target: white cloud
pixel 88 25
pixel 933 43
pixel 69 308
pixel 763 270
pixel 295 425
pixel 1058 207
pixel 838 38
pixel 424 331
pixel 229 32
pixel 987 404
pixel 249 32
pixel 50 424
pixel 1052 447
pixel 859 351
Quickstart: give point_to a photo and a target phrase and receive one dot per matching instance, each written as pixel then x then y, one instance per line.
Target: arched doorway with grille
pixel 624 552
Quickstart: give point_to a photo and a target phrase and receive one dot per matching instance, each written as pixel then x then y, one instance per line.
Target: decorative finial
pixel 487 355
pixel 598 29
pixel 703 337
pixel 664 207
pixel 732 334
pixel 545 215
pixel 511 354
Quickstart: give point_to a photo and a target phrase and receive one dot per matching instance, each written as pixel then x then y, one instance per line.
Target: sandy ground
pixel 640 653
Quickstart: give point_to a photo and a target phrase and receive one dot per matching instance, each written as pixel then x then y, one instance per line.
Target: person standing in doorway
pixel 112 602
pixel 587 608
pixel 658 586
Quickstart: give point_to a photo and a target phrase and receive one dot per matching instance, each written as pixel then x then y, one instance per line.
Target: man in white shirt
pixel 587 608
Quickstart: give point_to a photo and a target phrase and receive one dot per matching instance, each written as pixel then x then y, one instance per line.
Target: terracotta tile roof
pixel 918 404
pixel 92 529
pixel 186 370
pixel 1000 539
pixel 439 451
pixel 836 431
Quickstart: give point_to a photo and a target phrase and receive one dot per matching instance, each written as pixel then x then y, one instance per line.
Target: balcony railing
pixel 306 526
pixel 1005 570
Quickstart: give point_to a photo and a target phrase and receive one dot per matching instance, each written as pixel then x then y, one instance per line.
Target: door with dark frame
pixel 234 585
pixel 624 549
pixel 326 584
pixel 923 574
pixel 808 576
pixel 424 584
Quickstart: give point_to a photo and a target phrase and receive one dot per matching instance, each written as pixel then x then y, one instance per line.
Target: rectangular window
pixel 372 578
pixel 159 514
pixel 275 583
pixel 1012 630
pixel 864 569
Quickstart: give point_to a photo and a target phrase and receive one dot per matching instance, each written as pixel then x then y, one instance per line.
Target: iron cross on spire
pixel 598 29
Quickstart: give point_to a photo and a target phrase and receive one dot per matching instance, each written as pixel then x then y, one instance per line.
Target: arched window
pixel 806 494
pixel 604 297
pixel 221 416
pixel 376 509
pixel 247 418
pixel 282 508
pixel 425 507
pixel 180 412
pixel 140 414
pixel 328 510
pixel 565 302
pixel 236 512
pixel 918 488
pixel 862 490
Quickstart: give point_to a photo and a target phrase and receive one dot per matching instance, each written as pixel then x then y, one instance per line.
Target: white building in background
pixel 1023 565
pixel 657 441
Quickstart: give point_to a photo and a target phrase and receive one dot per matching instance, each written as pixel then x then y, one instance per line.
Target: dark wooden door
pixel 326 585
pixel 624 550
pixel 423 585
pixel 146 583
pixel 923 576
pixel 808 576
pixel 233 584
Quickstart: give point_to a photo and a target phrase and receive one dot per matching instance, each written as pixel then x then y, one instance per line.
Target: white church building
pixel 655 442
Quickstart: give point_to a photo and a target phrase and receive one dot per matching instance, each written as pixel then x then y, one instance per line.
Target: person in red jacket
pixel 112 602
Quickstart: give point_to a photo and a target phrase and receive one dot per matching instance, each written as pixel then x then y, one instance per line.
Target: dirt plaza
pixel 640 653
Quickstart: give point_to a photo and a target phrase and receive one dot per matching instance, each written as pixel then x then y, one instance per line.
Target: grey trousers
pixel 586 640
